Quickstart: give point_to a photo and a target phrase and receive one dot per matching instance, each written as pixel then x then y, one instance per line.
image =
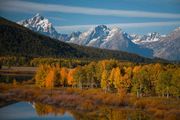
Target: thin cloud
pixel 57 18
pixel 24 6
pixel 121 25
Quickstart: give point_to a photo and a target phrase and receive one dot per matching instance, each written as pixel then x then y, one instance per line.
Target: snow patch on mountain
pixel 40 24
pixel 150 37
pixel 152 44
pixel 115 39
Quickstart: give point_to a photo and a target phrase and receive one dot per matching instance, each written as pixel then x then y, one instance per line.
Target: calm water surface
pixel 35 111
pixel 8 78
pixel 26 111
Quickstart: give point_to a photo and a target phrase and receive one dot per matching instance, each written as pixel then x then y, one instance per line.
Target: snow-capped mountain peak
pixel 36 18
pixel 168 47
pixel 99 31
pixel 151 44
pixel 92 37
pixel 40 24
pixel 109 38
pixel 150 37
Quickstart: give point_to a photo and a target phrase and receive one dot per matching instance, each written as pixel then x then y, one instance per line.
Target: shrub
pixel 159 113
pixel 87 105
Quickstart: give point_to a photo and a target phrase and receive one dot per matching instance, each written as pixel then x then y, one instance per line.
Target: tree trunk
pixel 140 92
pixel 137 93
pixel 92 84
pixel 105 90
pixel 167 92
pixel 162 94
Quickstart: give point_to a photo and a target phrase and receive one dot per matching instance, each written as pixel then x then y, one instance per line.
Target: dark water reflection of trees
pixel 102 113
pixel 8 78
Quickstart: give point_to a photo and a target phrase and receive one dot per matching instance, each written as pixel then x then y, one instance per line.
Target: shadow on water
pixel 36 111
pixel 8 78
pixel 6 103
pixel 106 113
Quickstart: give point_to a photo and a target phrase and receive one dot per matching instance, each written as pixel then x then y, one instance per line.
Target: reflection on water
pixel 44 110
pixel 8 78
pixel 25 111
pixel 122 114
pixel 105 113
pixel 35 111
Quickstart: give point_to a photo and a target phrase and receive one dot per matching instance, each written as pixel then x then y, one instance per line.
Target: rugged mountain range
pixel 40 24
pixel 16 40
pixel 166 47
pixel 115 39
pixel 101 36
pixel 143 39
pixel 150 45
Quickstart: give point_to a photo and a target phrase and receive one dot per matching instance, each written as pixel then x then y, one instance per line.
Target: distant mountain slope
pixel 145 39
pixel 150 45
pixel 167 47
pixel 18 40
pixel 101 36
pixel 114 39
pixel 42 25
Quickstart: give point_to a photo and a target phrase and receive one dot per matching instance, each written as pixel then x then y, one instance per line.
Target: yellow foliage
pixel 50 79
pixel 70 77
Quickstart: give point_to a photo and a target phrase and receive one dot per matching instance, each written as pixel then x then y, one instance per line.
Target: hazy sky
pixel 133 16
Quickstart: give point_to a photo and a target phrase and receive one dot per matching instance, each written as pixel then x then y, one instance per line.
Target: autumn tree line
pixel 114 76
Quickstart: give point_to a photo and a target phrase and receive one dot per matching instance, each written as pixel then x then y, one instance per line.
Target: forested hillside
pixel 16 40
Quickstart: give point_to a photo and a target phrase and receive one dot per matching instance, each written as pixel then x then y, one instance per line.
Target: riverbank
pixel 4 103
pixel 18 70
pixel 90 100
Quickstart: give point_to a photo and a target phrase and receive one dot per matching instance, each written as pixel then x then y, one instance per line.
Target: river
pixel 35 111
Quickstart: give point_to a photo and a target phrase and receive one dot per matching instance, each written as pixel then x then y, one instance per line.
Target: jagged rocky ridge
pixel 150 45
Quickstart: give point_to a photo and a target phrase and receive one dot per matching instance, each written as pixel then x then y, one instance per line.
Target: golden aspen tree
pixel 41 74
pixel 50 79
pixel 164 82
pixel 111 79
pixel 175 83
pixel 64 73
pixel 118 79
pixel 104 80
pixel 136 81
pixel 70 77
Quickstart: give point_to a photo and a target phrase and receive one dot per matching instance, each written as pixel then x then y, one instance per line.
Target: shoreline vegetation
pixel 91 100
pixel 152 88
